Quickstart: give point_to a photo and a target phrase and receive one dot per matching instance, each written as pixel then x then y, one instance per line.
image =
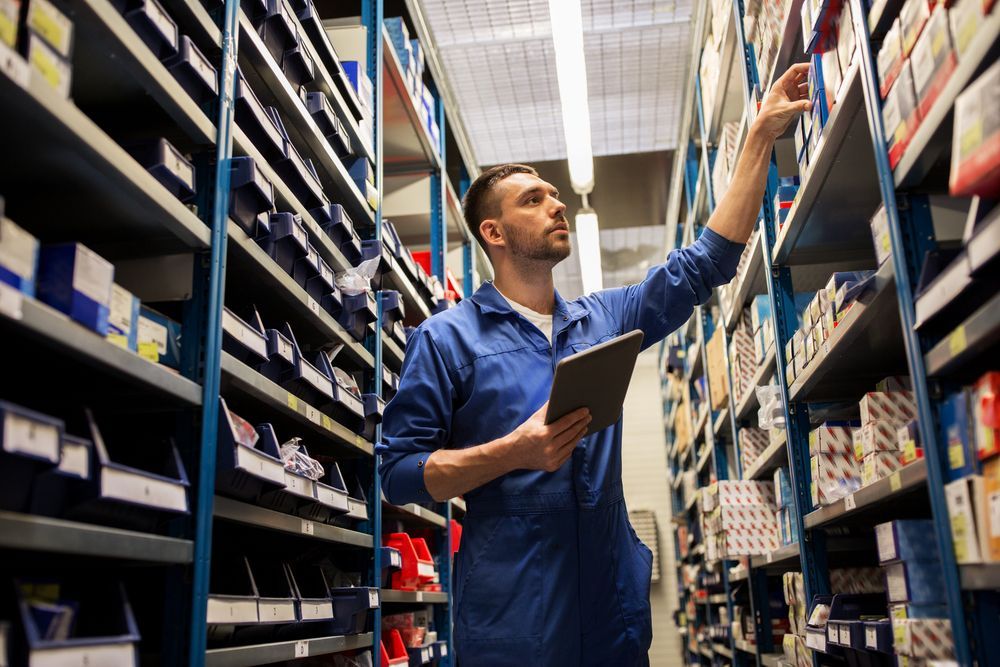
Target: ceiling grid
pixel 499 57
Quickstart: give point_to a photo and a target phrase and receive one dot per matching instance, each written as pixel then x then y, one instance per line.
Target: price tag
pixel 11 301
pixel 871 638
pixel 302 649
pixel 293 402
pixel 849 503
pixel 909 451
pixel 358 441
pixel 149 351
pixel 373 598
pixel 307 527
pixel 957 341
pixel 895 482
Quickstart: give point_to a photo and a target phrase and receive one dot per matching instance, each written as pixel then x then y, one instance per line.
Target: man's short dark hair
pixel 481 203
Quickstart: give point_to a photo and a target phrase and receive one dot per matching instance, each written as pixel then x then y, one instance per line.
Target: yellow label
pixel 886 243
pixel 965 34
pixel 358 441
pixel 909 451
pixel 956 341
pixel 895 482
pixel 859 451
pixel 8 31
pixel 44 65
pixel 47 28
pixel 971 138
pixel 898 634
pixel 150 351
pixel 118 339
pixel 293 402
pixel 937 43
pixel 326 422
pixel 958 536
pixel 956 455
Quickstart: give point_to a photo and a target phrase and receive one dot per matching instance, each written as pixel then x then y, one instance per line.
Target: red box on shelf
pixel 396 653
pixel 933 60
pixel 975 157
pixel 986 415
pixel 418 565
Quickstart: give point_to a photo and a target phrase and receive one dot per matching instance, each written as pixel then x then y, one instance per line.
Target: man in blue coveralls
pixel 550 571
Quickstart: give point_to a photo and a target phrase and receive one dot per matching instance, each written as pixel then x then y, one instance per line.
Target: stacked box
pixel 927 638
pixel 933 59
pixel 832 438
pixel 975 158
pixel 901 114
pixel 964 18
pixel 892 406
pixel 912 17
pixel 834 476
pixel 956 424
pixel 741 356
pixel 740 519
pixel 989 501
pixel 857 580
pixel 880 464
pixel 48 44
pixel 788 188
pixel 890 58
pixel 880 235
pixel 717 377
pixel 753 442
pixel 18 257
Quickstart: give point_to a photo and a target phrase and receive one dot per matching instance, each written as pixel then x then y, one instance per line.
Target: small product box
pixel 760 311
pixel 879 436
pixel 194 72
pixel 986 415
pixel 77 281
pixel 955 423
pixel 969 528
pixel 880 235
pixel 912 18
pixel 890 58
pixel 48 65
pixel 933 60
pixel 890 406
pixel 989 507
pixel 879 465
pixel 906 539
pixel 123 318
pixel 975 158
pixel 18 257
pixel 782 488
pixel 908 439
pixel 832 77
pixel 10 11
pixel 168 166
pixel 964 17
pixel 923 638
pixel 159 338
pixel 832 438
pixel 846 40
pixel 915 581
pixel 46 21
pixel 901 114
pixel 833 477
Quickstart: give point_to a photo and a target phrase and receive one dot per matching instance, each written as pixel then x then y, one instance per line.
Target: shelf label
pixel 302 649
pixel 871 638
pixel 307 527
pixel 313 304
pixel 849 503
pixel 312 414
pixel 895 482
pixel 24 435
pixel 293 402
pixel 957 341
pixel 11 302
pixel 14 66
pixel 770 556
pixel 373 598
pixel 358 441
pixel 326 422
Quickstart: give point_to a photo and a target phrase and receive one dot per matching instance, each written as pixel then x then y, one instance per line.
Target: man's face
pixel 533 220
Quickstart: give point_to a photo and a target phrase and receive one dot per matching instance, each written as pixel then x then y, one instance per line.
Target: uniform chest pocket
pixel 586 345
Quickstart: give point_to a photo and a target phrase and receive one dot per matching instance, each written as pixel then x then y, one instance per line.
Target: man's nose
pixel 560 208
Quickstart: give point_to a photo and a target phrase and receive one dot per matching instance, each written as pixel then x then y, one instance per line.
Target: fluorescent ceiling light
pixel 588 246
pixel 571 71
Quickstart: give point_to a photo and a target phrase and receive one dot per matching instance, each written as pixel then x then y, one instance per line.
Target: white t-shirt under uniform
pixel 543 322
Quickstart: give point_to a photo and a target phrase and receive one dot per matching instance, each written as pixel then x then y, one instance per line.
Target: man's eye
pixel 533 200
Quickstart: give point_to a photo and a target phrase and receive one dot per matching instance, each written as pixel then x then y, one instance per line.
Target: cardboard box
pixel 159 338
pixel 900 114
pixel 975 157
pixel 879 465
pixel 890 58
pixel 933 60
pixel 740 492
pixel 880 235
pixel 832 438
pixel 926 638
pixel 986 415
pixel 989 509
pixel 760 311
pixel 906 539
pixel 718 380
pixel 955 420
pixel 912 18
pixel 964 17
pixel 833 477
pixel 969 528
pixel 879 436
pixel 919 582
pixel 753 442
pixel 123 318
pixel 18 257
pixel 891 406
pixel 76 281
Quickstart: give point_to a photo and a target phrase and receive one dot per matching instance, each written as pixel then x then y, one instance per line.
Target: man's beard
pixel 525 246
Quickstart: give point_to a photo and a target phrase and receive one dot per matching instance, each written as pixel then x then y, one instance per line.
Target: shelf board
pixel 785 556
pixel 238 377
pixel 749 282
pixel 829 219
pixel 774 456
pixel 724 651
pixel 281 299
pixel 746 647
pixel 985 577
pixel 29 532
pixel 261 517
pixel 130 209
pixel 406 143
pixel 270 85
pixel 721 422
pixel 764 371
pixel 43 324
pixel 910 478
pixel 932 141
pixel 413 512
pixel 864 347
pixel 395 353
pixel 260 654
pixel 975 335
pixel 412 597
pixel 458 504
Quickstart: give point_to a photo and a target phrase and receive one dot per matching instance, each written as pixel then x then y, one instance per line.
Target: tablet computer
pixel 596 378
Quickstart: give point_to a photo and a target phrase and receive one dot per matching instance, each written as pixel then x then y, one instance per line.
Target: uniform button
pixel 420 464
pixel 565 318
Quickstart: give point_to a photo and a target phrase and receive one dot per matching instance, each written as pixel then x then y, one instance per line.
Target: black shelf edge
pixel 260 654
pixel 413 513
pixel 904 480
pixel 976 334
pixel 261 517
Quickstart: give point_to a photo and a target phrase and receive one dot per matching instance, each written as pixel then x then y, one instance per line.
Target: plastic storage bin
pixel 341 230
pixel 287 242
pixel 280 354
pixel 243 471
pixel 352 608
pixel 51 487
pixel 250 194
pixel 256 120
pixel 395 653
pixel 331 496
pixel 167 165
pixel 306 268
pixel 314 383
pixel 277 28
pixel 328 123
pixel 392 561
pixel 232 594
pixel 312 594
pixel 296 63
pixel 276 600
pixel 29 444
pixel 357 501
pixel 358 312
pixel 194 72
pixel 243 340
pixel 374 408
pixel 104 630
pixel 154 26
pixel 415 566
pixel 299 491
pixel 300 176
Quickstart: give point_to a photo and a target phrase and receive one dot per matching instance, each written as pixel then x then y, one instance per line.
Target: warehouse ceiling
pixel 498 56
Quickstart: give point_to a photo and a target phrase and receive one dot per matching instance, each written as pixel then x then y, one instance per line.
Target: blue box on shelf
pixel 102 630
pixel 323 288
pixel 18 257
pixel 399 35
pixel 123 318
pixel 250 195
pixel 288 241
pixel 391 561
pixel 280 354
pixel 232 594
pixel 276 600
pixel 312 593
pixel 194 72
pixel 331 496
pixel 357 501
pixel 393 309
pixel 878 636
pixel 154 26
pixel 915 581
pixel 298 491
pixel 167 165
pixel 247 464
pixel 256 120
pixel 159 337
pixel 306 268
pixel 277 28
pixel 51 486
pixel 29 444
pixel 358 311
pixel 955 419
pixel 296 64
pixel 300 176
pixel 138 494
pixel 318 106
pixel 905 539
pixel 76 281
pixel 246 341
pixel 374 409
pixel 361 169
pixel 352 608
pixel 341 230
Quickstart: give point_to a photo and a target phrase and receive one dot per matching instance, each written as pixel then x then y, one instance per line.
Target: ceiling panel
pixel 498 55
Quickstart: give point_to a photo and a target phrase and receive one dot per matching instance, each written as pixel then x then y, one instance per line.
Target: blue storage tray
pixel 358 311
pixel 374 408
pixel 166 164
pixel 127 495
pixel 154 26
pixel 372 248
pixel 393 308
pixel 341 230
pixel 313 383
pixel 312 593
pixel 29 444
pixel 232 592
pixel 280 353
pixel 306 268
pixel 322 284
pixel 357 501
pixel 391 238
pixel 352 608
pixel 328 123
pixel 247 342
pixel 241 471
pixel 256 120
pixel 333 301
pixel 194 72
pixel 300 176
pixel 422 655
pixel 299 491
pixel 391 561
pixel 250 194
pixel 331 496
pixel 440 650
pixel 276 602
pixel 52 486
pixel 103 612
pixel 276 28
pixel 287 242
pixel 296 64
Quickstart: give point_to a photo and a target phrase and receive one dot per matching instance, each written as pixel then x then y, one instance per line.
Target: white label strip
pixel 115 655
pixel 75 460
pixel 244 334
pixel 136 488
pixel 11 302
pixel 222 610
pixel 260 465
pixel 22 435
pixel 302 649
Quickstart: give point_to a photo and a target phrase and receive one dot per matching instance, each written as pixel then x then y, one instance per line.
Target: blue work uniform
pixel 550 571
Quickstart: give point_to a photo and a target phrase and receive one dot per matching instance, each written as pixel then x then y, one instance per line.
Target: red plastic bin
pixel 396 654
pixel 456 536
pixel 407 577
pixel 426 572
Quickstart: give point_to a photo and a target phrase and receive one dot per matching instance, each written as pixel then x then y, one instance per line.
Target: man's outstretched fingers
pixel 567 422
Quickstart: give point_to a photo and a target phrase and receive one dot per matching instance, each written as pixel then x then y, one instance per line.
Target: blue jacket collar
pixel 489 300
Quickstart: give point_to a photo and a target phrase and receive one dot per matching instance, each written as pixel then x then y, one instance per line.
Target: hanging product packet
pixel 358 280
pixel 296 460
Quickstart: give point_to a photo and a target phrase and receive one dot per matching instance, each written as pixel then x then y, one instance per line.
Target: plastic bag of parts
pixel 243 431
pixel 771 414
pixel 359 279
pixel 296 460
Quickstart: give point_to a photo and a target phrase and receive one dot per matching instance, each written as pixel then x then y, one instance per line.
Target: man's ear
pixel 492 233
